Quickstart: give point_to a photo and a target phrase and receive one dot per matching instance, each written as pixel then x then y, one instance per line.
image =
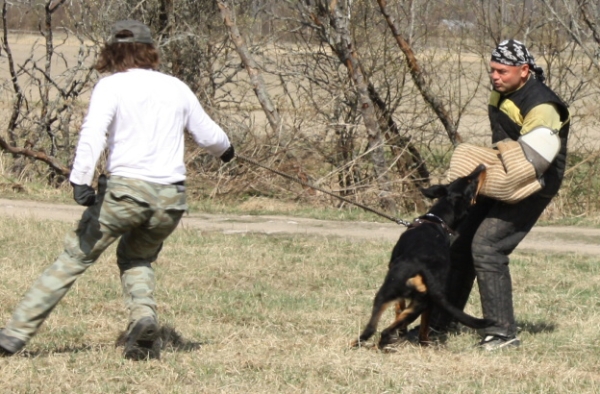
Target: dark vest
pixel 531 94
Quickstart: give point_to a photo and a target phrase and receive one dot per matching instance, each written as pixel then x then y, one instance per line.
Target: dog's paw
pixel 389 338
pixel 390 348
pixel 358 344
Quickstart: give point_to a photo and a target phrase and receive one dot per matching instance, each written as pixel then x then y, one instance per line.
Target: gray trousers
pixel 142 214
pixel 487 237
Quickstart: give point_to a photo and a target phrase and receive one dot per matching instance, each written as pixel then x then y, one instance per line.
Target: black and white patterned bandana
pixel 514 53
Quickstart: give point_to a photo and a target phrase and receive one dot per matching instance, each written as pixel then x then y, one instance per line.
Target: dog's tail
pixel 437 296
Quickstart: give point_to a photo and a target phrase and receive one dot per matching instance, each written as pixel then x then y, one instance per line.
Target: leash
pixel 297 180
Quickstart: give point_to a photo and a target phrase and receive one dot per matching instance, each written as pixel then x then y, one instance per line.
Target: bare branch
pixel 571 25
pixel 252 68
pixel 37 155
pixel 344 48
pixel 14 79
pixel 43 130
pixel 418 77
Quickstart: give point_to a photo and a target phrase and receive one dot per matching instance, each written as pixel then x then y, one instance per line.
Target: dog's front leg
pixel 424 327
pixel 379 306
pixel 400 306
pixel 407 316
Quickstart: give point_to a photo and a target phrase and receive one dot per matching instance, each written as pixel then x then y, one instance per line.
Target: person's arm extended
pixel 206 132
pixel 92 137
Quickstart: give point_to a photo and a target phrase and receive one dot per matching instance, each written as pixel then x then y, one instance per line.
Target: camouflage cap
pixel 141 33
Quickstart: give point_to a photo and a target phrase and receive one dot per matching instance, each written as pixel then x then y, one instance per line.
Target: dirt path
pixel 551 239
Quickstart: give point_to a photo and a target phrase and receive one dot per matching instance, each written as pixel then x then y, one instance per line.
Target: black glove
pixel 84 195
pixel 228 154
pixel 102 183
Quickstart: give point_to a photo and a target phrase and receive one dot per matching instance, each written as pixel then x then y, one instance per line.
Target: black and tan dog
pixel 420 263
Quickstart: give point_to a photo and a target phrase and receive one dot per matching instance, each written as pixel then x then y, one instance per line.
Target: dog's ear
pixel 435 191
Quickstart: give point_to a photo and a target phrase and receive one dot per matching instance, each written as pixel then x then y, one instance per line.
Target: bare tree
pixel 43 110
pixel 252 68
pixel 365 97
pixel 419 78
pixel 579 19
pixel 340 40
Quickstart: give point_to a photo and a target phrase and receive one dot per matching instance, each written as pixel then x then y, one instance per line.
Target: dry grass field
pixel 275 314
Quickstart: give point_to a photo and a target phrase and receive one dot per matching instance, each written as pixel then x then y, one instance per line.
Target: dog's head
pixel 456 197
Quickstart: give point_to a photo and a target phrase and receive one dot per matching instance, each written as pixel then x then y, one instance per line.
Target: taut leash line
pixel 300 181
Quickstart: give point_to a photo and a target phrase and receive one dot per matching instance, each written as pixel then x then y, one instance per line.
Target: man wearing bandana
pixel 521 108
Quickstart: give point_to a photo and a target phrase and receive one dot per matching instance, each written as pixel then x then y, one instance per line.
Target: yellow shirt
pixel 543 115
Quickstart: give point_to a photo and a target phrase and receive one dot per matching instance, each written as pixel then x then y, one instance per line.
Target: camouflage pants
pixel 143 215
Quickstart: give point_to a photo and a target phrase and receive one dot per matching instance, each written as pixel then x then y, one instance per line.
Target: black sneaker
pixel 143 341
pixel 497 342
pixel 9 345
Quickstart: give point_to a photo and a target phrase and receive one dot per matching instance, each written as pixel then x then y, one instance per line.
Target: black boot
pixel 495 289
pixel 143 340
pixel 9 345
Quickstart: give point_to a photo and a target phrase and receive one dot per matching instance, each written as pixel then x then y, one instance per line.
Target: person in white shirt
pixel 140 115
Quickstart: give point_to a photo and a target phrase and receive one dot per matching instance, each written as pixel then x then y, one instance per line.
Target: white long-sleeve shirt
pixel 141 115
